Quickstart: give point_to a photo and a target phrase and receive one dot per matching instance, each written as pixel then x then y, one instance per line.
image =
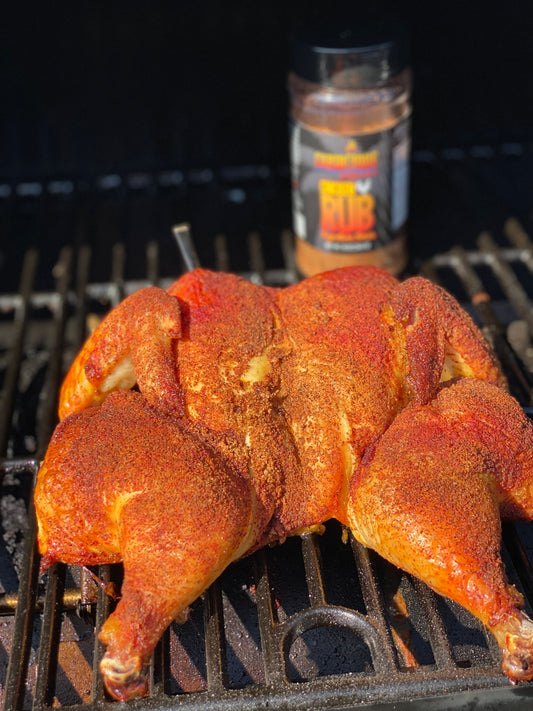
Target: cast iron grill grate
pixel 319 622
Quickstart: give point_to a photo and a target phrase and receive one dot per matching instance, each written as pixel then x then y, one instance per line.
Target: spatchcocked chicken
pixel 262 412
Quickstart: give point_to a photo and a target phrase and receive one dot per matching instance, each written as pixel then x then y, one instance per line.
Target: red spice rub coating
pixel 129 501
pixel 263 412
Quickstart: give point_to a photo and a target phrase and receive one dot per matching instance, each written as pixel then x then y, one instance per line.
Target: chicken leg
pixel 428 498
pixel 156 497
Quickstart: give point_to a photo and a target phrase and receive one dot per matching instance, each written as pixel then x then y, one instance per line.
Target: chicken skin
pixel 264 412
pixel 430 497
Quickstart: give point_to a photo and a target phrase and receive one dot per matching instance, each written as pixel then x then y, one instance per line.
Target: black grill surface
pixel 319 622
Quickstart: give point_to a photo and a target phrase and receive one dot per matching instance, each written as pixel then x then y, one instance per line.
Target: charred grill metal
pixel 313 623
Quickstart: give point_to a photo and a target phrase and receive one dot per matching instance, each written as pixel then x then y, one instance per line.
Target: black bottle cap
pixel 350 55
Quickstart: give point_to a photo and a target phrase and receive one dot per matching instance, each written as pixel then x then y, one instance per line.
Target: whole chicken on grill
pixel 260 413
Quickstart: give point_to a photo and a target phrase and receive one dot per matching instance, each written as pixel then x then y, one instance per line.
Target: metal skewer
pixel 182 235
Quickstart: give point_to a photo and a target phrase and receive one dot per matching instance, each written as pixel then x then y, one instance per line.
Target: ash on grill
pixel 317 622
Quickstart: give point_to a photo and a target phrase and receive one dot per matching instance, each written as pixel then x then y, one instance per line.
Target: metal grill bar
pixel 375 604
pixel 24 614
pixel 50 628
pixel 215 640
pixel 47 417
pixel 274 671
pixel 82 279
pixel 313 572
pixel 22 637
pixel 462 263
pixel 508 279
pixel 520 239
pixel 21 323
pixel 440 643
pixel 103 610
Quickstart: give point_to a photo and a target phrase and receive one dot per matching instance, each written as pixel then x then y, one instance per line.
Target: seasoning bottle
pixel 350 147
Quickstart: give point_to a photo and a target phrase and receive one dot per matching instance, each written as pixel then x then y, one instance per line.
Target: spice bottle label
pixel 350 193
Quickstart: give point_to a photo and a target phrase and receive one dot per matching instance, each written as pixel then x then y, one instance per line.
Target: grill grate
pixel 316 623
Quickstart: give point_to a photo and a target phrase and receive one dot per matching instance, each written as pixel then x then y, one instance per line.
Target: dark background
pixel 97 88
pixel 105 85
